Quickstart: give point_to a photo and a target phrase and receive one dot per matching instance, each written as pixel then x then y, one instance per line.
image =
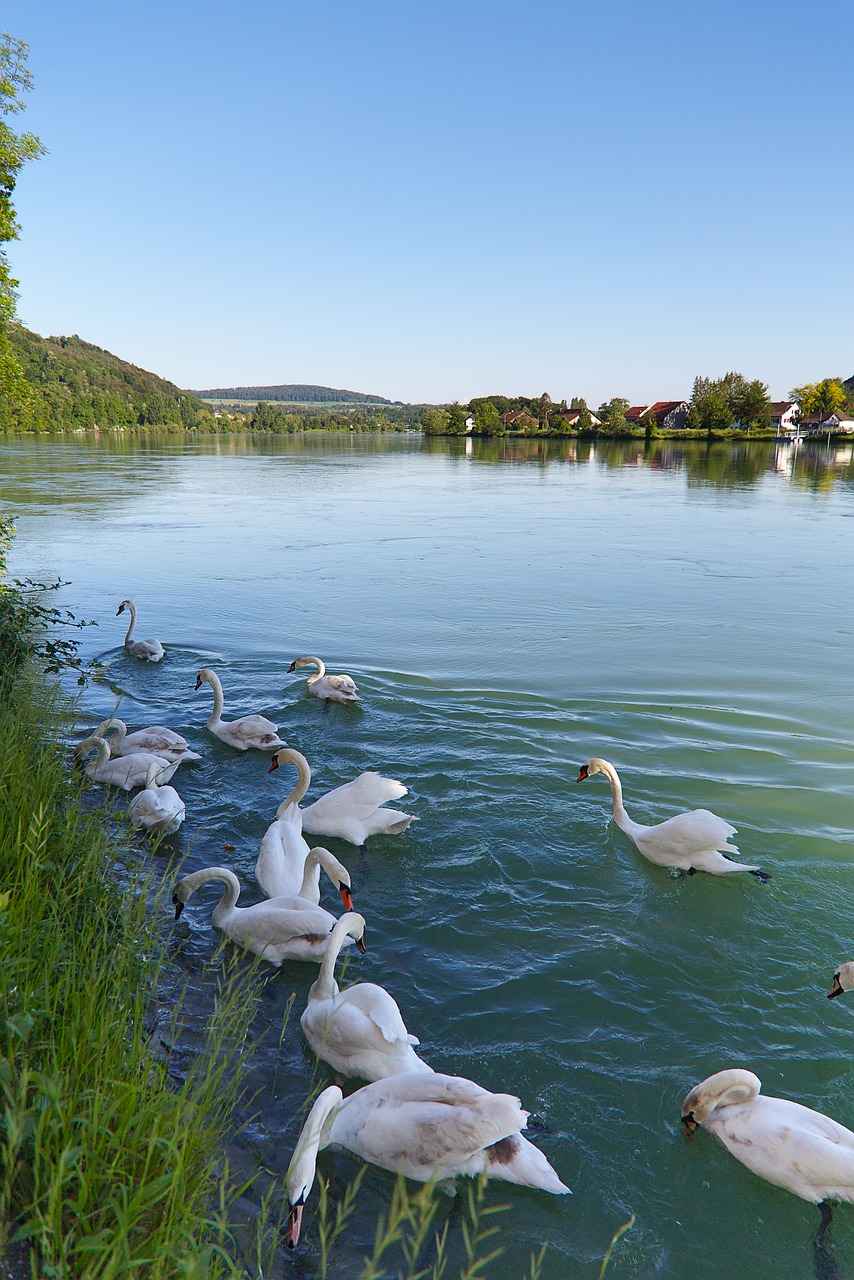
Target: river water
pixel 510 609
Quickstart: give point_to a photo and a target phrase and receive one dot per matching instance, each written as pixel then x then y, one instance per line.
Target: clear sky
pixel 432 201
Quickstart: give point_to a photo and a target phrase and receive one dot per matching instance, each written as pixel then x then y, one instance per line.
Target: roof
pixel 666 406
pixel 783 406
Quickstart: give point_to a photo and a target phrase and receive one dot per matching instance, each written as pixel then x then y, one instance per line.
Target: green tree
pixel 15 150
pixel 613 414
pixel 435 422
pixel 457 420
pixel 823 397
pixel 487 420
pixel 544 407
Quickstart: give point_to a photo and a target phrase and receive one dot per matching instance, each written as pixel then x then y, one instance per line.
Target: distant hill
pixel 290 393
pixel 76 384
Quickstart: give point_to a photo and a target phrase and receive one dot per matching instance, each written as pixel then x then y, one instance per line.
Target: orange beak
pixel 346 896
pixel 294 1225
pixel 360 945
pixel 689 1122
pixel 274 764
pixel 837 989
pixel 583 774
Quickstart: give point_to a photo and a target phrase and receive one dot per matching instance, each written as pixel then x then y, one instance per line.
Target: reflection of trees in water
pixel 721 464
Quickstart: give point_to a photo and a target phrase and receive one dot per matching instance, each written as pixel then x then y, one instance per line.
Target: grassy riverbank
pixel 110 1167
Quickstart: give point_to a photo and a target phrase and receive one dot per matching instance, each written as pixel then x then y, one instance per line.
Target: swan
pixel 276 930
pixel 126 771
pixel 843 980
pixel 149 650
pixel 243 733
pixel 164 742
pixel 286 866
pixel 359 1031
pixel 330 688
pixel 690 841
pixel 350 812
pixel 785 1143
pixel 157 808
pixel 424 1125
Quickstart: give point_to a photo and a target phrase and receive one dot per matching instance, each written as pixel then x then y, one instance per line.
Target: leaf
pixel 21 1025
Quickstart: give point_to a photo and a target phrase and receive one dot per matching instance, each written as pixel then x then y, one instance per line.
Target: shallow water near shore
pixel 509 609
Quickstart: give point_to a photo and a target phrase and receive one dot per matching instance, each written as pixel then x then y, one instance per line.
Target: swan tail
pixel 515 1159
pixel 412 1039
pixel 719 865
pixel 388 822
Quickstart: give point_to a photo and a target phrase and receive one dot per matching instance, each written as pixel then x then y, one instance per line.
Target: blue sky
pixel 435 201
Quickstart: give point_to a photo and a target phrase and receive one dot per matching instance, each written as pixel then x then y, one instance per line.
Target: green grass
pixel 109 1169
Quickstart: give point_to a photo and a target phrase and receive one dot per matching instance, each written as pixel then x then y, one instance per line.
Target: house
pixel 669 414
pixel 570 417
pixel 518 420
pixel 784 416
pixel 837 423
pixel 469 422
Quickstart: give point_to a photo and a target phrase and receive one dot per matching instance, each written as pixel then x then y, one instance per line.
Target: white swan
pixel 277 929
pixel 690 841
pixel 843 980
pixel 359 1031
pixel 785 1143
pixel 351 811
pixel 164 742
pixel 243 733
pixel 149 650
pixel 425 1126
pixel 126 771
pixel 157 808
pixel 330 688
pixel 287 867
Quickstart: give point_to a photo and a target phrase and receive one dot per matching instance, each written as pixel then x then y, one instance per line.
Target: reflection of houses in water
pixel 784 458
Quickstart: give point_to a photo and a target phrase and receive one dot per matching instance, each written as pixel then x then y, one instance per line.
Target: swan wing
pixel 375 1004
pixel 250 731
pixel 684 834
pixel 357 799
pixel 281 858
pixel 424 1124
pixel 276 921
pixel 790 1145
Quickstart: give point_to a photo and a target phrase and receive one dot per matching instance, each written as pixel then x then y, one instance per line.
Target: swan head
pixel 125 604
pixel 287 755
pixel 297 662
pixel 355 929
pixel 203 677
pixel 340 877
pixel 587 770
pixel 723 1089
pixel 300 1176
pixel 843 980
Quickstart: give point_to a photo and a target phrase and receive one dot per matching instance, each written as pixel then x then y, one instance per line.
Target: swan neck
pixel 310 877
pixel 325 987
pixel 231 888
pixel 131 608
pixel 300 1176
pixel 303 779
pixel 319 673
pixel 219 702
pixel 616 792
pixel 118 727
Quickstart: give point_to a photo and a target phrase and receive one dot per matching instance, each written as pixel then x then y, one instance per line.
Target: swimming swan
pixel 690 841
pixel 164 742
pixel 351 811
pixel 243 733
pixel 425 1126
pixel 149 650
pixel 359 1031
pixel 278 929
pixel 330 688
pixel 126 771
pixel 843 980
pixel 286 865
pixel 785 1143
pixel 157 808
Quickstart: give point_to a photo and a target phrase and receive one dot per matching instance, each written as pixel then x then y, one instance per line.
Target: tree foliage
pixel 720 403
pixel 16 148
pixel 823 397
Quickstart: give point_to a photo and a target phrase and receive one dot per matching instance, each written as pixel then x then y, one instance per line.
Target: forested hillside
pixel 291 393
pixel 76 384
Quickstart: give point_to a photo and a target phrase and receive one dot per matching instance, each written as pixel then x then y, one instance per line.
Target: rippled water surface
pixel 510 609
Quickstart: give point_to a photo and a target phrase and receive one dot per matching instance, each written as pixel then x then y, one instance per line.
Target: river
pixel 510 609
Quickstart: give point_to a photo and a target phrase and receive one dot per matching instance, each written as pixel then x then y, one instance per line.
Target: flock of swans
pixel 408 1118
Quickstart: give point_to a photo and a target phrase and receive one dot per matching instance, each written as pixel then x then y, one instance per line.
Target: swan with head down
pixel 424 1125
pixel 286 865
pixel 329 688
pixel 785 1143
pixel 156 737
pixel 358 1031
pixel 158 808
pixel 244 733
pixel 148 650
pixel 694 841
pixel 277 929
pixel 351 812
pixel 126 771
